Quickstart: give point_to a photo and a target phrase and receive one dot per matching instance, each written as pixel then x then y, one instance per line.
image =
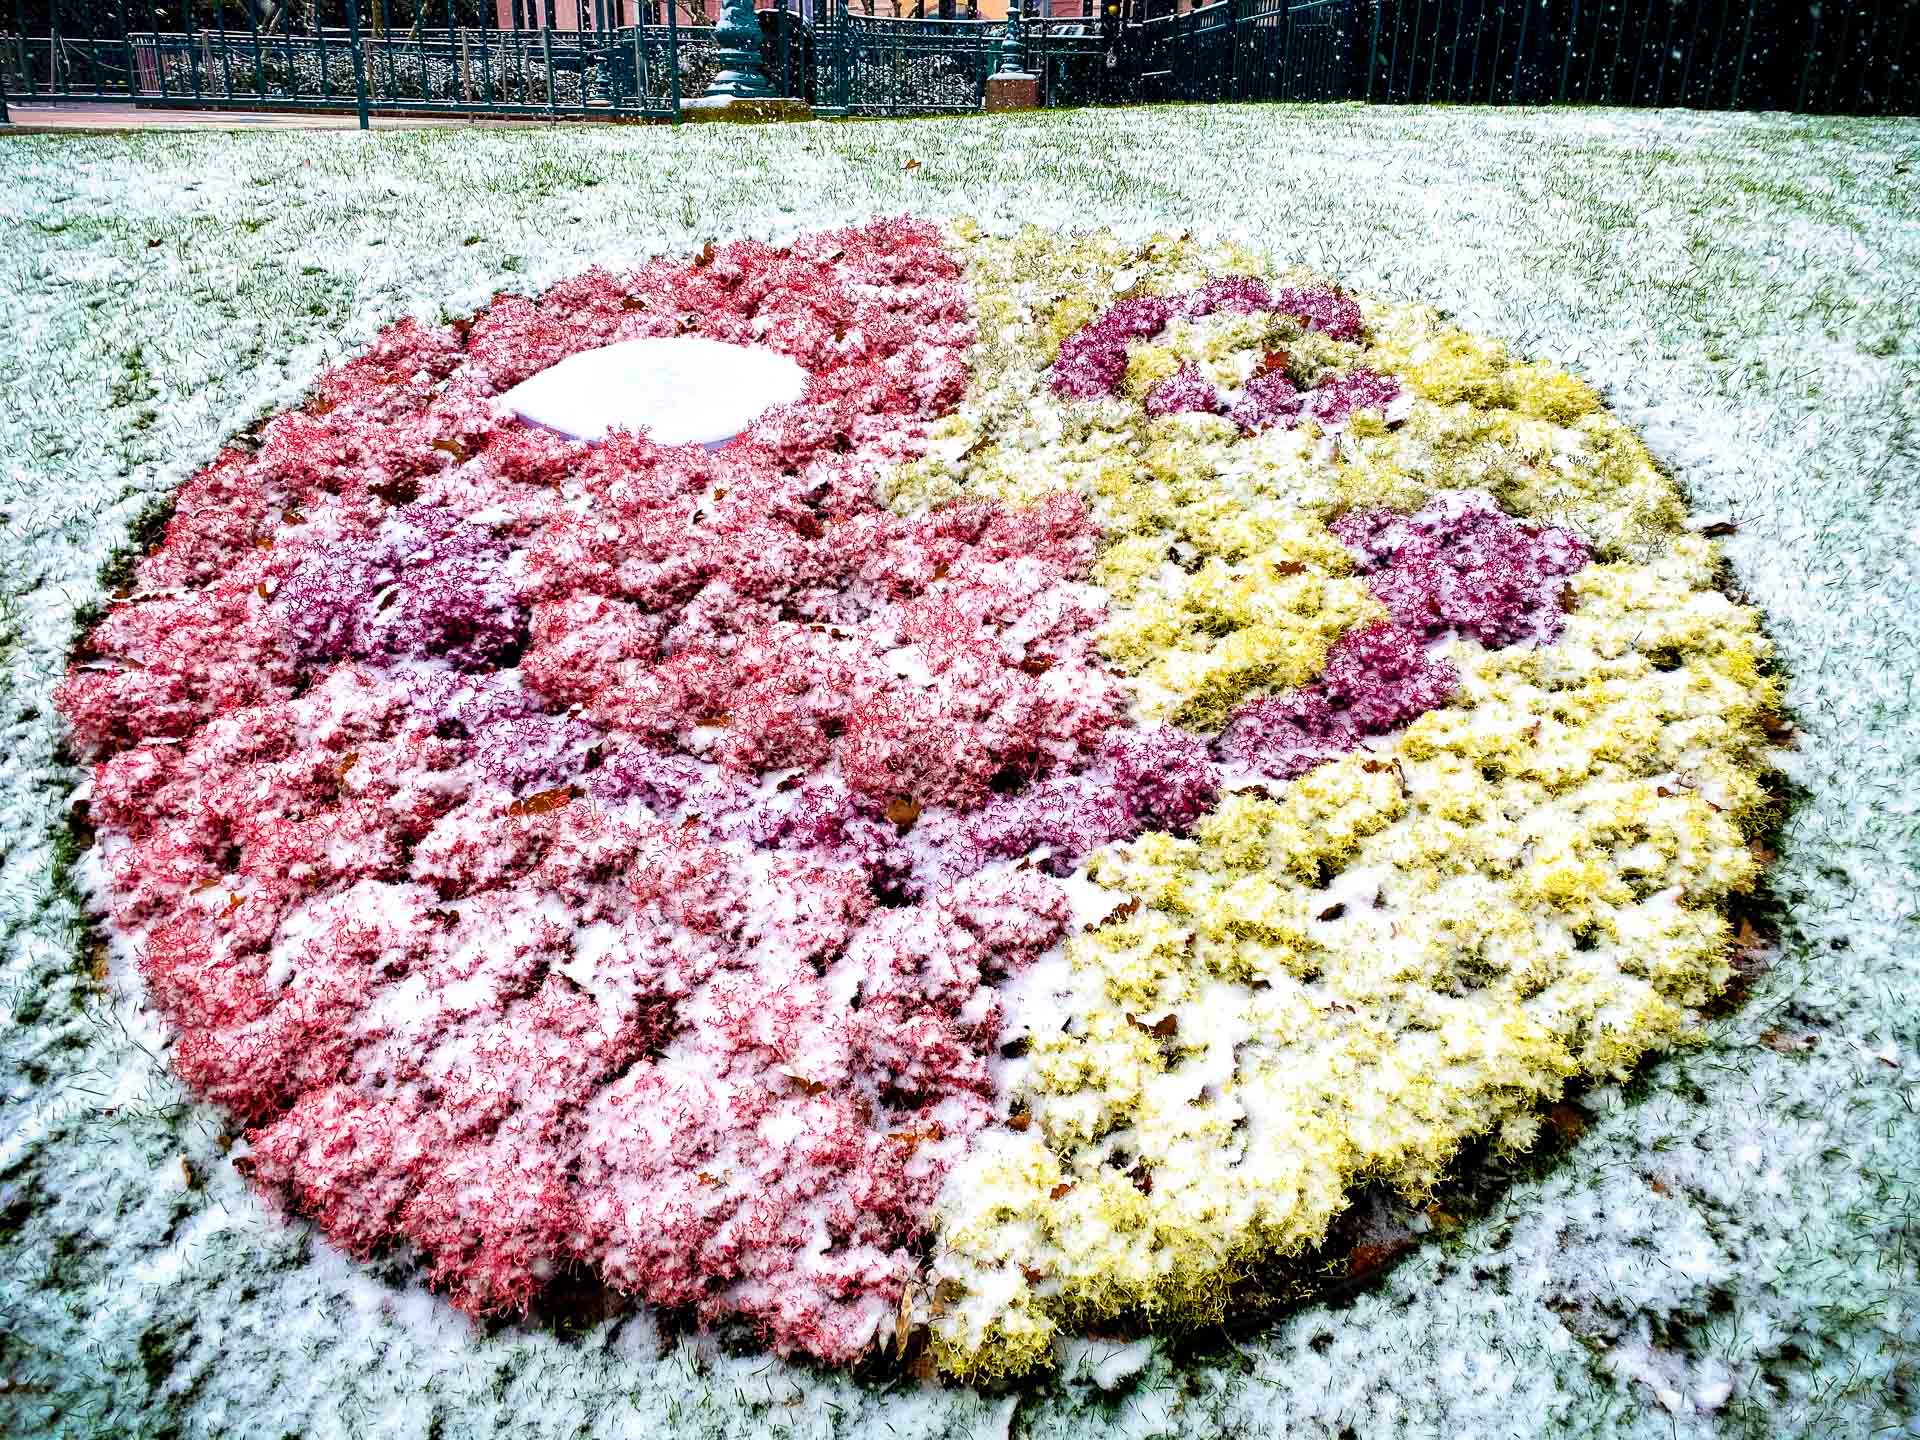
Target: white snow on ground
pixel 1730 1246
pixel 681 390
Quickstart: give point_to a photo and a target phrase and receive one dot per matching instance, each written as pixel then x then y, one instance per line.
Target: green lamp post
pixel 742 75
pixel 1013 51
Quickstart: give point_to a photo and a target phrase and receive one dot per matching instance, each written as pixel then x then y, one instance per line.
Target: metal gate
pixel 1249 50
pixel 1297 49
pixel 869 65
pixel 1075 62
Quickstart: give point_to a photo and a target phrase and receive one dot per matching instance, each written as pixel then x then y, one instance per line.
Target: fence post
pixel 1373 50
pixel 829 38
pixel 1740 70
pixel 133 73
pixel 1520 52
pixel 359 62
pixel 673 57
pixel 546 54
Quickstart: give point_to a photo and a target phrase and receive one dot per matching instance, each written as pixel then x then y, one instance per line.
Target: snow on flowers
pixel 1142 743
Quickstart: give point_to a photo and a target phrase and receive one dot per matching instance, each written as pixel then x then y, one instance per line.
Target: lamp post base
pixel 1010 91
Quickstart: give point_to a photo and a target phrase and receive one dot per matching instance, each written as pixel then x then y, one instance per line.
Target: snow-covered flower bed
pixel 965 853
pixel 1717 1245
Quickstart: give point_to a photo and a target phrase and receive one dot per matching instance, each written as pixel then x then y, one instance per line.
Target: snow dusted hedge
pixel 1145 745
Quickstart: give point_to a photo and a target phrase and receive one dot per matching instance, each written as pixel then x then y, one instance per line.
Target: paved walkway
pixel 29 118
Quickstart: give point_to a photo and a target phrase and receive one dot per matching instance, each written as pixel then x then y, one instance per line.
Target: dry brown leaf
pixel 1569 1122
pixel 543 802
pixel 1373 1256
pixel 911 1139
pixel 903 1320
pixel 902 812
pixel 1164 1028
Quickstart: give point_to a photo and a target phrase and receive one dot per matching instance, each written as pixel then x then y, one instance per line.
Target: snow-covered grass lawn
pixel 1727 1246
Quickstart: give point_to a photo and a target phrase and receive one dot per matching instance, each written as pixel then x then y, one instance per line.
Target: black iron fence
pixel 634 58
pixel 1844 56
pixel 373 57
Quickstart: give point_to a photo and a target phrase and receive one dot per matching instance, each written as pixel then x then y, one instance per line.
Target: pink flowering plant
pixel 416 708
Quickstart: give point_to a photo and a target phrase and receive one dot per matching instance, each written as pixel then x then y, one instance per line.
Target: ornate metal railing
pixel 356 55
pixel 870 65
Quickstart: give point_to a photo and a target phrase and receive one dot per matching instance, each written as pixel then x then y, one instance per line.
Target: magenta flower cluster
pixel 1093 360
pixel 1460 565
pixel 424 583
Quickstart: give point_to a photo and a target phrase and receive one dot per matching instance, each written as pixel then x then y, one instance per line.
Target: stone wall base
pixel 745 108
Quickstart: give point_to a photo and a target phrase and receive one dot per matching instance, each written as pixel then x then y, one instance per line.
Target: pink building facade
pixel 615 14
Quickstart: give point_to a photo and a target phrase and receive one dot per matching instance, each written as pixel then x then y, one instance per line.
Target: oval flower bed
pixel 1146 744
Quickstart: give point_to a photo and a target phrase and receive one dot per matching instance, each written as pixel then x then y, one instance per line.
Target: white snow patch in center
pixel 680 390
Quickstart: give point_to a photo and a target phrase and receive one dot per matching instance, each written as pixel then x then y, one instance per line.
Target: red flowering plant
pixel 511 825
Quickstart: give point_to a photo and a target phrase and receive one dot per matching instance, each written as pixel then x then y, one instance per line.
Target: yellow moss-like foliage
pixel 1354 975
